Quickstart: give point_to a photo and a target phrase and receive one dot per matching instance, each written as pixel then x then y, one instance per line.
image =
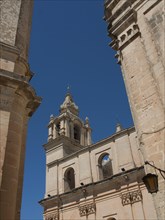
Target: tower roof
pixel 69 105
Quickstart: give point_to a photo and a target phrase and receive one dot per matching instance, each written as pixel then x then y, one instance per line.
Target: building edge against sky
pixel 18 102
pixel 137 31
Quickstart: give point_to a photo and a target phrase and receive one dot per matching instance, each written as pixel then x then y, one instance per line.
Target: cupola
pixel 69 105
pixel 68 124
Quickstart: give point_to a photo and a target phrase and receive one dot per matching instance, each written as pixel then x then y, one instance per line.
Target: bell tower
pixel 18 102
pixel 69 126
pixel 67 134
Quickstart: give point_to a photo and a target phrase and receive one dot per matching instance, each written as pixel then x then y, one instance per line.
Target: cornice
pixel 111 3
pixel 116 7
pixel 54 143
pixel 62 139
pixel 120 25
pixel 120 14
pixel 69 115
pixel 12 76
pixel 117 184
pixel 13 52
pixel 9 48
pixel 22 87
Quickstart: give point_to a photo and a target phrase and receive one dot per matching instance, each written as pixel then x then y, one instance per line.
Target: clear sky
pixel 69 45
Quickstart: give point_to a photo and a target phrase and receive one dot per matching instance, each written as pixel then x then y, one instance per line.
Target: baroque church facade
pixel 92 181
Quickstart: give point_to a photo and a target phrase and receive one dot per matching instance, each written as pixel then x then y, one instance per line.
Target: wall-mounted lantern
pixel 151 182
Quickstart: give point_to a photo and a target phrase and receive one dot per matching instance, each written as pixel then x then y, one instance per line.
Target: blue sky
pixel 69 45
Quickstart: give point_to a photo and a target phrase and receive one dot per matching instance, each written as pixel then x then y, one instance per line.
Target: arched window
pixel 69 179
pixel 58 128
pixel 105 166
pixel 76 132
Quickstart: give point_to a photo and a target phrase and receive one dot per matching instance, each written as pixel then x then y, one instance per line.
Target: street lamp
pixel 151 180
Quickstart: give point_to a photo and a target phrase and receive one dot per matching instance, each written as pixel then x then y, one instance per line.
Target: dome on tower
pixel 69 105
pixel 69 126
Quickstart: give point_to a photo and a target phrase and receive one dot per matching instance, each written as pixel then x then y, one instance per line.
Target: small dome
pixel 69 104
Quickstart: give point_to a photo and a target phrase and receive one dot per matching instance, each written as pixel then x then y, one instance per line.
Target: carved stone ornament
pixel 131 197
pixel 87 209
pixel 52 216
pixel 128 36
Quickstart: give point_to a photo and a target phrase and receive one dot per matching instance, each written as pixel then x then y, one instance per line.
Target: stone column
pixel 82 138
pixel 62 127
pixel 51 128
pixel 88 131
pixel 17 105
pixel 18 101
pixel 50 132
pixel 67 128
pixel 89 140
pixel 54 131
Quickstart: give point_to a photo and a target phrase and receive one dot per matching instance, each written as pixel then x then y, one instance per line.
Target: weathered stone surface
pixel 15 20
pixel 9 20
pixel 18 101
pixel 141 54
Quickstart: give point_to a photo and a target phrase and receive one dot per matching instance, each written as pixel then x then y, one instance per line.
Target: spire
pixel 68 124
pixel 68 89
pixel 68 104
pixel 87 122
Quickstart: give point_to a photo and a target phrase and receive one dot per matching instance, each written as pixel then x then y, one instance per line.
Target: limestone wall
pixel 18 101
pixel 123 152
pixel 110 204
pixel 9 21
pixel 137 32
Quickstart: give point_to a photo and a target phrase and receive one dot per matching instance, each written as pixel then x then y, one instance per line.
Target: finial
pixel 87 122
pixel 86 119
pixel 68 89
pixel 51 117
pixel 118 124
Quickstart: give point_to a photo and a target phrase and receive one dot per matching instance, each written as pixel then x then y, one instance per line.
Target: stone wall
pixel 18 101
pixel 122 149
pixel 137 32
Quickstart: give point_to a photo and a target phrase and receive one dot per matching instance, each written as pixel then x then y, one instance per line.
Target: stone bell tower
pixel 136 28
pixel 67 134
pixel 18 101
pixel 68 125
